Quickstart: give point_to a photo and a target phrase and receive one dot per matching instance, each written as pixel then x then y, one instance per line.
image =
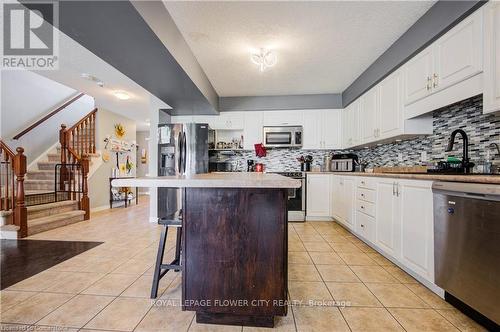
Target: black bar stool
pixel 160 268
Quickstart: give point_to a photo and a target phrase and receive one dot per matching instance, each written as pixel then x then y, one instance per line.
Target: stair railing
pixel 77 143
pixel 12 171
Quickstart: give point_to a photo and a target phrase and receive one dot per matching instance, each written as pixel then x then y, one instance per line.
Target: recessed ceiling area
pixel 322 47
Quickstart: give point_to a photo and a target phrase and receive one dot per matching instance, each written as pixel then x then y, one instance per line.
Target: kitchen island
pixel 234 246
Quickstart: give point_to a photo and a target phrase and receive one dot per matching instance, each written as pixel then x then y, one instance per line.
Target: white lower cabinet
pixel 343 200
pixel 395 215
pixel 417 226
pixel 387 217
pixel 318 195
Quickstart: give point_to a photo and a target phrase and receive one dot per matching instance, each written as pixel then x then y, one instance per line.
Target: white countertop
pixel 212 180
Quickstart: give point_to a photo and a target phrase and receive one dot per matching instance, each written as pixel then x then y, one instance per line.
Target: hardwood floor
pixel 22 259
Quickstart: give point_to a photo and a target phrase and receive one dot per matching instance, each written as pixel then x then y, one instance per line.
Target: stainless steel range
pixel 296 197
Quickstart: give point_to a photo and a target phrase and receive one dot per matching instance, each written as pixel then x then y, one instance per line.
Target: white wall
pixel 142 138
pixel 25 98
pixel 99 181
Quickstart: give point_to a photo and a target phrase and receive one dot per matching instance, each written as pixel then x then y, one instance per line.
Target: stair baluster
pixel 77 143
pixel 14 165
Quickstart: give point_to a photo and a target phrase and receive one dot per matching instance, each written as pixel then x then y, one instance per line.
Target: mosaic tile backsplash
pixel 467 114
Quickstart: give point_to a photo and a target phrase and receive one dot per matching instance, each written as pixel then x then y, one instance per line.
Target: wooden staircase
pixel 55 192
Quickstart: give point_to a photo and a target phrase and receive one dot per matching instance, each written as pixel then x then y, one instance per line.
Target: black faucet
pixel 466 164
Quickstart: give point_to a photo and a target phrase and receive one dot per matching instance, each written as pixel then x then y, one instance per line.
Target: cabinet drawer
pixel 366 195
pixel 366 183
pixel 365 226
pixel 366 207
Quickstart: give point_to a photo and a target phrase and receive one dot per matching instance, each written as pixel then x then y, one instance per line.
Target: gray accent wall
pixel 288 102
pixel 443 16
pixel 117 33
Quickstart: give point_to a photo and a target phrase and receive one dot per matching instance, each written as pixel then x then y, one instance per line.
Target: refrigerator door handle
pixel 184 152
pixel 179 162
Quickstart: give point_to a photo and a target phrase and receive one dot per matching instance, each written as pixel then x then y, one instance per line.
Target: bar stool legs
pixel 160 268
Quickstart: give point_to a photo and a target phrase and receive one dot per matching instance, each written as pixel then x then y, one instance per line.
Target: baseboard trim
pixel 100 208
pixel 309 218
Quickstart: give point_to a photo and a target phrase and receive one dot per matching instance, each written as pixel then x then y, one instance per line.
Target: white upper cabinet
pixel 491 96
pixel 330 129
pixel 459 53
pixel 252 133
pixel 311 136
pixel 227 121
pixel 350 124
pixel 391 106
pixel 453 58
pixel 322 129
pixel 369 116
pixel 283 118
pixel 418 76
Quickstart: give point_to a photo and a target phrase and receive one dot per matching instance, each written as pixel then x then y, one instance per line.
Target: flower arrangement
pixel 119 130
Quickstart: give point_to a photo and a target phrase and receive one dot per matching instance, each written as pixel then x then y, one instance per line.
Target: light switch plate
pixel 423 156
pixel 400 157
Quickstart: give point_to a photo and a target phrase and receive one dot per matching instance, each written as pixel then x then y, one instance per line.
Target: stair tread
pixel 39 181
pixel 12 228
pixel 50 205
pixel 55 217
pixel 40 171
pixel 38 192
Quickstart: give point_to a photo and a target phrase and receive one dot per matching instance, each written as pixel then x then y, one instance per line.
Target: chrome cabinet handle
pixel 429 82
pixel 393 189
pixel 435 80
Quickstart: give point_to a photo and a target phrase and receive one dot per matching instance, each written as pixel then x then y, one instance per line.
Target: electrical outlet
pixel 423 156
pixel 400 157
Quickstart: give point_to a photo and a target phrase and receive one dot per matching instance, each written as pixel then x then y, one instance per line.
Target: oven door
pixel 296 203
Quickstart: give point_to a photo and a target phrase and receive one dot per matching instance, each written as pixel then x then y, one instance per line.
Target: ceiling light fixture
pixel 122 95
pixel 92 78
pixel 264 59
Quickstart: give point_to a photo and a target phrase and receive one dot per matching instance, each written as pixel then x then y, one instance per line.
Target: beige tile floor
pixel 343 284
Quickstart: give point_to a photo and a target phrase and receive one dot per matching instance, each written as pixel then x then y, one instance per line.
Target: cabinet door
pixel 318 195
pixel 346 130
pixel 387 221
pixel 348 195
pixel 336 197
pixel 391 106
pixel 330 129
pixel 229 120
pixel 417 240
pixel 418 76
pixel 252 131
pixel 458 54
pixel 283 118
pixel 491 96
pixel 369 116
pixel 354 125
pixel 311 129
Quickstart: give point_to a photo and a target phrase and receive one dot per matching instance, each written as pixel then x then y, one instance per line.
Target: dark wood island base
pixel 235 255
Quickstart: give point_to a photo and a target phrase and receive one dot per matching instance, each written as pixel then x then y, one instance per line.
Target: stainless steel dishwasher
pixel 467 244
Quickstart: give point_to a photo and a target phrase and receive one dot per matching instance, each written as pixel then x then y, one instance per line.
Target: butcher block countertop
pixel 473 178
pixel 212 180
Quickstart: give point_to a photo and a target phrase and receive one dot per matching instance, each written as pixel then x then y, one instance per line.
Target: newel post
pixel 63 176
pixel 85 202
pixel 21 213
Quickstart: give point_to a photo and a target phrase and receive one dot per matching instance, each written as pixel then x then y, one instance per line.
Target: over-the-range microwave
pixel 282 136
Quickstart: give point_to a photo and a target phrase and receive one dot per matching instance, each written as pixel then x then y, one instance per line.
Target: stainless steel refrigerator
pixel 182 150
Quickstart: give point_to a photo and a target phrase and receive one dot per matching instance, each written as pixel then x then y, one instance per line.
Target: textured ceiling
pixel 322 47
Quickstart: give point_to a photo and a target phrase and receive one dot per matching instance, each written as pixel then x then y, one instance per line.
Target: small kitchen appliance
pixel 282 136
pixel 344 162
